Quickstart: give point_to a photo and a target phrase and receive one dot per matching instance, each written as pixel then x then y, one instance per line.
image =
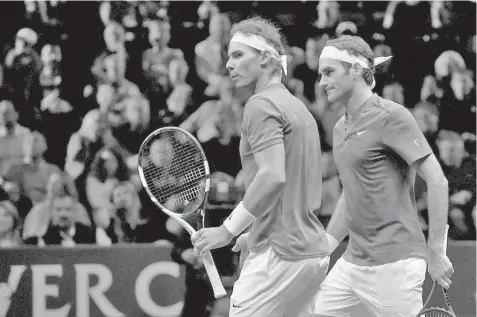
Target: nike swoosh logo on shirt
pixel 361 132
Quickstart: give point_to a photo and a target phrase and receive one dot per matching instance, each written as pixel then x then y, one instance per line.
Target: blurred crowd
pixel 83 83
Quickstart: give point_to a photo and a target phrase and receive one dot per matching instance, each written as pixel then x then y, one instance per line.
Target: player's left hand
pixel 440 267
pixel 208 239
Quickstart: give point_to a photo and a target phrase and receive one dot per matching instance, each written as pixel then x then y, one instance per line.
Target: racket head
pixel 174 170
pixel 428 311
pixel 435 312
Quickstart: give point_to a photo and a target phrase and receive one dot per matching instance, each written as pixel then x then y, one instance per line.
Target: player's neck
pixel 266 80
pixel 356 99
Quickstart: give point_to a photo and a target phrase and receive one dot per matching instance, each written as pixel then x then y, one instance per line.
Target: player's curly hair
pixel 266 29
pixel 355 45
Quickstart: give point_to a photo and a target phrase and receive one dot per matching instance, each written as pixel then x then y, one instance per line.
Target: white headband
pixel 260 43
pixel 343 55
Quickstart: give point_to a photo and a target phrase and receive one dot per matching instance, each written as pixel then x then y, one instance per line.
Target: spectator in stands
pixel 45 12
pixel 346 28
pixel 12 135
pixel 59 212
pixel 180 97
pixel 107 170
pixel 113 59
pixel 457 105
pixel 121 12
pixel 459 168
pixel 50 76
pixel 57 115
pixel 21 201
pixel 129 120
pixel 211 54
pixel 32 174
pixel 9 233
pixel 217 126
pixel 113 11
pixel 93 135
pixel 124 222
pixel 151 10
pixel 394 92
pixel 308 72
pixel 205 11
pixel 23 67
pixel 156 64
pixel 328 14
pixel 128 111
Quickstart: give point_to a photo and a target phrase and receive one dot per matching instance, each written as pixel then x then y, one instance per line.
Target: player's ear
pixel 265 57
pixel 356 70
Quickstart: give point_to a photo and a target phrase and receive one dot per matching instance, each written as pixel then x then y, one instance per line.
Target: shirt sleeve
pixel 263 124
pixel 402 134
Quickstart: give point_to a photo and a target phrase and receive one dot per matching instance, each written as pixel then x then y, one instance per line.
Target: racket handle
pixel 214 277
pixel 448 302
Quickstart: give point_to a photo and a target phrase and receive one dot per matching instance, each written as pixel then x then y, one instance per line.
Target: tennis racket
pixel 437 311
pixel 175 173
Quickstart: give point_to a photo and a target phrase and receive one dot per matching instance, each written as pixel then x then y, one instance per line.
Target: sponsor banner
pixel 141 281
pixel 86 281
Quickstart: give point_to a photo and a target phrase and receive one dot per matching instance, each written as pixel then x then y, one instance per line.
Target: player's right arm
pixel 337 228
pixel 263 125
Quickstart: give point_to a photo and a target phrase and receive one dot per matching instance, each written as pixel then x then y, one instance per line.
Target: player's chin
pixel 238 82
pixel 332 96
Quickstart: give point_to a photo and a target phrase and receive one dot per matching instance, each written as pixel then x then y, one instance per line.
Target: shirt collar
pixel 361 108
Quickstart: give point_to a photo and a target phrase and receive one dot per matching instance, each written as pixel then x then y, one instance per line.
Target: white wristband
pixel 238 220
pixel 332 242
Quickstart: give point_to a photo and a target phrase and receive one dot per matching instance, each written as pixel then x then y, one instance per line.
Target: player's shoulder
pixel 394 110
pixel 259 100
pixel 391 110
pixel 258 107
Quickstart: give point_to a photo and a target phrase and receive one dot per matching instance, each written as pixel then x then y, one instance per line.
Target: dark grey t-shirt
pixel 289 224
pixel 373 153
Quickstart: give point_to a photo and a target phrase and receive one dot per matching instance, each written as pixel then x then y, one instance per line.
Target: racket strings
pixel 180 161
pixel 167 186
pixel 436 314
pixel 187 195
pixel 174 170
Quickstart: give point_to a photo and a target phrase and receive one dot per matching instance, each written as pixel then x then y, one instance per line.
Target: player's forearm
pixel 438 206
pixel 337 226
pixel 262 192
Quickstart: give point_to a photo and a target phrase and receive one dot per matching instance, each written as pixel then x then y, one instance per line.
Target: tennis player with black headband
pixel 378 148
pixel 281 159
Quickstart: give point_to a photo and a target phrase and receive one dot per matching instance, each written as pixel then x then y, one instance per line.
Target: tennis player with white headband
pixel 281 159
pixel 378 148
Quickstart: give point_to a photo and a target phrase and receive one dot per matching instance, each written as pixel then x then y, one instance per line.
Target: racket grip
pixel 214 277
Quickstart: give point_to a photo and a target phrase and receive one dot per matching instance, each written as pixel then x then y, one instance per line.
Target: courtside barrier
pixel 140 281
pixel 88 281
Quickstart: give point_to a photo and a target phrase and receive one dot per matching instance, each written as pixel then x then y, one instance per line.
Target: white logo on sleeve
pixel 416 142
